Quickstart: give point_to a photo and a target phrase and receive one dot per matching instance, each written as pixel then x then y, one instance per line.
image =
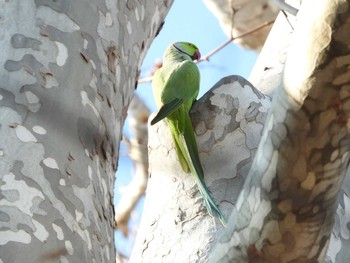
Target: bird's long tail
pixel 209 203
pixel 188 147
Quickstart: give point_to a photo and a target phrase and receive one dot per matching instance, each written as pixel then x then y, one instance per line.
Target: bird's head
pixel 189 49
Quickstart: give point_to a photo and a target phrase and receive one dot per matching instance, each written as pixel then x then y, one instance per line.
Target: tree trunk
pixel 303 155
pixel 68 72
pixel 175 226
pixel 285 210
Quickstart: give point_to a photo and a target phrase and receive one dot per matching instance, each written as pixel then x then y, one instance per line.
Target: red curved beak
pixel 197 55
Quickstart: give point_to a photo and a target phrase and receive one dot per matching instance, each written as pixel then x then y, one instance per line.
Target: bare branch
pixel 206 57
pixel 137 145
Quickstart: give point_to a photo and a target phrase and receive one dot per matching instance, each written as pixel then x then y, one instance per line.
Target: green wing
pixel 167 109
pixel 183 83
pixel 175 86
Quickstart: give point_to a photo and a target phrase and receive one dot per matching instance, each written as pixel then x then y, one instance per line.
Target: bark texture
pixel 175 226
pixel 68 70
pixel 285 212
pixel 286 209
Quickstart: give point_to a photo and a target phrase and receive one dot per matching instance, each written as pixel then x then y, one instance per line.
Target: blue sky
pixel 187 21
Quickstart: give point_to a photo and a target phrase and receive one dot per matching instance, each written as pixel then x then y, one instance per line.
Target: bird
pixel 175 88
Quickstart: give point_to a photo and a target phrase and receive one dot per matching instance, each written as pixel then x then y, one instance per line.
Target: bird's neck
pixel 172 55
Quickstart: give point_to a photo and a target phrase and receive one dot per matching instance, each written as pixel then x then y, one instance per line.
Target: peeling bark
pixel 68 70
pixel 285 212
pixel 175 226
pixel 281 206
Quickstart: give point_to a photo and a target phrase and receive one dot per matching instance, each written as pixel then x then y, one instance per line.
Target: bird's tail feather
pixel 209 203
pixel 191 149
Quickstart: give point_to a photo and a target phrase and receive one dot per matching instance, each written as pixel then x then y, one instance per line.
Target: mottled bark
pixel 267 75
pixel 68 70
pixel 175 226
pixel 285 212
pixel 286 208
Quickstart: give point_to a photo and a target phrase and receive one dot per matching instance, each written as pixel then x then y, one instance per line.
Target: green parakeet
pixel 176 86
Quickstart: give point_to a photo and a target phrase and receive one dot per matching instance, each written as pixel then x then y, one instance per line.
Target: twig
pixel 286 7
pixel 206 57
pixel 146 79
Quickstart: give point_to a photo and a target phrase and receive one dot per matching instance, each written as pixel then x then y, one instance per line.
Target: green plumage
pixel 176 86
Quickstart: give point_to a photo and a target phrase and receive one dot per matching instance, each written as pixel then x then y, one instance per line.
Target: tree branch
pixel 213 52
pixel 285 211
pixel 138 114
pixel 206 57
